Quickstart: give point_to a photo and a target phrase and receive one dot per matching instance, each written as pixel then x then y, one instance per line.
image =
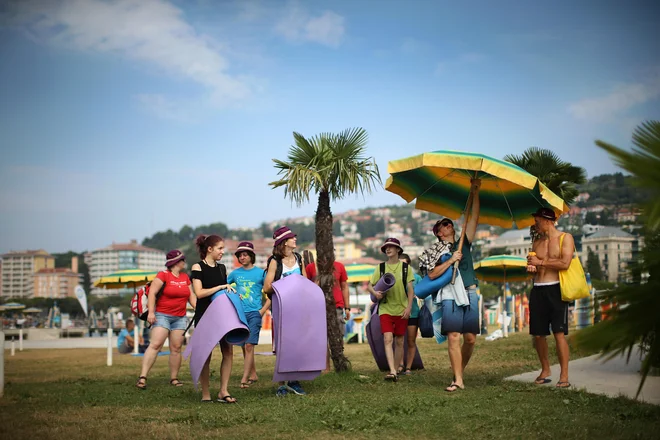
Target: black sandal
pixel 391 377
pixel 176 382
pixel 226 399
pixel 140 384
pixel 453 388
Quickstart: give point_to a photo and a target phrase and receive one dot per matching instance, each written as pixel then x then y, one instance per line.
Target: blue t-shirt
pixel 122 337
pixel 249 284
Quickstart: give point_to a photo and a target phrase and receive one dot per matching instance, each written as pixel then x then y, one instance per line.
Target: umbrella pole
pixel 468 211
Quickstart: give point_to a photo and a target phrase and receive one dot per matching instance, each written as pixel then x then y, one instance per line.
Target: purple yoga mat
pixel 377 344
pixel 384 284
pixel 219 320
pixel 299 329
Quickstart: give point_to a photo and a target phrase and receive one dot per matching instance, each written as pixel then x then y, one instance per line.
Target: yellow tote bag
pixel 572 281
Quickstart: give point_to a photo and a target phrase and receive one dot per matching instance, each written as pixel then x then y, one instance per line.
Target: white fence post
pixel 2 364
pixel 20 340
pixel 136 333
pixel 13 346
pixel 109 347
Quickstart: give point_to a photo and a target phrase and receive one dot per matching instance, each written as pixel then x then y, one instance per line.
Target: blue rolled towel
pixel 427 286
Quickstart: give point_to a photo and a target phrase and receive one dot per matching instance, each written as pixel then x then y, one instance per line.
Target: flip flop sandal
pixel 207 401
pixel 542 380
pixel 453 388
pixel 226 399
pixel 408 372
pixel 245 385
pixel 141 385
pixel 391 377
pixel 176 382
pixel 562 384
pixel 252 381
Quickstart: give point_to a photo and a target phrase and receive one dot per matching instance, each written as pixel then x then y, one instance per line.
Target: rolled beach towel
pixel 427 286
pixel 300 333
pixel 377 344
pixel 384 284
pixel 222 319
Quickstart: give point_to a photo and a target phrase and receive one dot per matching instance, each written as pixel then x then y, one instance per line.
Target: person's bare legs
pixel 158 337
pixel 225 368
pixel 204 379
pixel 398 349
pixel 411 339
pixel 469 340
pixel 455 357
pixel 563 355
pixel 176 341
pixel 388 338
pixel 248 366
pixel 541 345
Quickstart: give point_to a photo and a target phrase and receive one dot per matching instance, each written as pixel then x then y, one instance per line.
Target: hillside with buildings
pixel 605 222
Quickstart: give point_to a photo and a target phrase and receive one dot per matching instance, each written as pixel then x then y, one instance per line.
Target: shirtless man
pixel 546 307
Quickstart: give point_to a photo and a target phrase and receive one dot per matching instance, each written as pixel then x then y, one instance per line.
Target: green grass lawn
pixel 71 394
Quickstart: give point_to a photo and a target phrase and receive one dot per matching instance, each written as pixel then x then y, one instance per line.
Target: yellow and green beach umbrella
pixel 440 182
pixel 358 273
pixel 123 278
pixel 502 269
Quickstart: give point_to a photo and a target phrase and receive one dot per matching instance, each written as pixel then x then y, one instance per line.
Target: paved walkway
pixel 613 378
pixel 97 342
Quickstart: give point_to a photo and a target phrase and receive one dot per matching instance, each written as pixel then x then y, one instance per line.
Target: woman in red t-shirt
pixel 167 315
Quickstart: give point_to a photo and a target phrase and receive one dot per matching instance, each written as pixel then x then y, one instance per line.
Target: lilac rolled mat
pixel 377 344
pixel 299 329
pixel 220 319
pixel 384 284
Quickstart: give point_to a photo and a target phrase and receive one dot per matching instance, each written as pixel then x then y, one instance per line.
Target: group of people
pixel 398 311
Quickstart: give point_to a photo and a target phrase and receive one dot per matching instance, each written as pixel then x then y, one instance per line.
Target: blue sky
pixel 122 118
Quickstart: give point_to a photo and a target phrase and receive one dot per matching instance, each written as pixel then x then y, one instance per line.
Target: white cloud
pixel 463 59
pixel 298 26
pixel 163 107
pixel 154 32
pixel 618 102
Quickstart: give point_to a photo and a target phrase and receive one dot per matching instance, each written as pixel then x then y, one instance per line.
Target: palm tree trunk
pixel 325 258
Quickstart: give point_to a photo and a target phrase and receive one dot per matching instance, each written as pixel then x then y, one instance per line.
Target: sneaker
pixel 282 391
pixel 296 388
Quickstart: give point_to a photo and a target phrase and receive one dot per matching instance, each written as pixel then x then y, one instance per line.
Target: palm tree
pixel 561 177
pixel 332 166
pixel 638 322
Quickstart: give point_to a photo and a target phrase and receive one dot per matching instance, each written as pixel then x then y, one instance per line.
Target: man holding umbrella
pixel 457 320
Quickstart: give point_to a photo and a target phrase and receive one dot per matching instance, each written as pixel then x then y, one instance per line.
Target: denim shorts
pixel 461 319
pixel 170 322
pixel 254 325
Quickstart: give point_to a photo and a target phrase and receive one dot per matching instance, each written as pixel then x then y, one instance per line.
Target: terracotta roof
pixel 62 270
pixel 132 246
pixel 39 252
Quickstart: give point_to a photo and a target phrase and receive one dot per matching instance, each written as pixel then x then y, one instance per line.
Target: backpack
pixel 140 301
pixel 426 322
pixel 404 268
pixel 278 271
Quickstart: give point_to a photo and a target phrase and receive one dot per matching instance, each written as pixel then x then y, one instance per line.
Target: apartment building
pixel 58 282
pixel 19 268
pixel 516 241
pixel 121 256
pixel 615 249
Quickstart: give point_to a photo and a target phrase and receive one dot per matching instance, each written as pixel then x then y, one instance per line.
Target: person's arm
pixel 473 222
pixel 270 277
pixel 155 287
pixel 266 306
pixel 130 338
pixel 345 295
pixel 442 267
pixel 561 263
pixel 200 291
pixel 192 299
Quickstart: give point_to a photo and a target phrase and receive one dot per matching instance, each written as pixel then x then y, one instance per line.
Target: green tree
pixel 489 290
pixel 591 218
pixel 639 321
pixel 498 251
pixel 561 177
pixel 593 266
pixel 330 166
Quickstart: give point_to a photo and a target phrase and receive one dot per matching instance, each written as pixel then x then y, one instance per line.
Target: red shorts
pixel 393 324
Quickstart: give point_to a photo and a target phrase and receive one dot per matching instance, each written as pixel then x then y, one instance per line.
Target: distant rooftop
pixel 27 253
pixel 132 246
pixel 610 231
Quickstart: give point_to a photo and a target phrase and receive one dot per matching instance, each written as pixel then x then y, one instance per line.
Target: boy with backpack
pixel 395 305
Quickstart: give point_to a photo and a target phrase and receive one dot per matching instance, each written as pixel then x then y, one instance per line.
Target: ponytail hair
pixel 204 242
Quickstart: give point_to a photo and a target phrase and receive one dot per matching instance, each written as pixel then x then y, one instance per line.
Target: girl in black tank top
pixel 210 276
